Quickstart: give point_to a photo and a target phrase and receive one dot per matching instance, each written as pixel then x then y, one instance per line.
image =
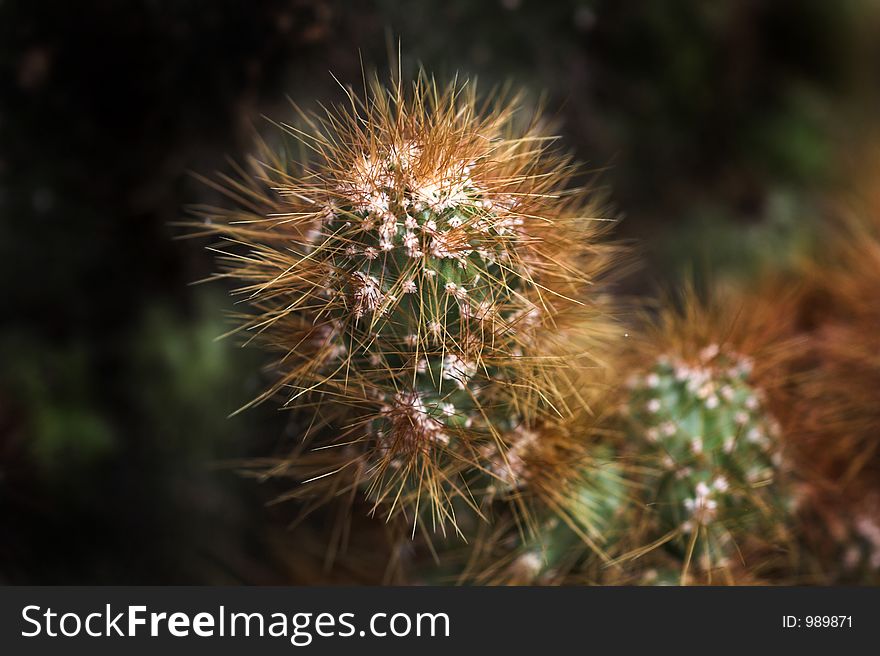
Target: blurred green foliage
pixel 54 390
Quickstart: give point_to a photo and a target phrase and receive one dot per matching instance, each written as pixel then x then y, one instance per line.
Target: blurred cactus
pixel 713 450
pixel 702 422
pixel 416 272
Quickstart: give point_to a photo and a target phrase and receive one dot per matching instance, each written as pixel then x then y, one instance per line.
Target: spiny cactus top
pixel 416 275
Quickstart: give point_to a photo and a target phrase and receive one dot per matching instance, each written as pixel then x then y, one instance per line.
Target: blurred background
pixel 721 130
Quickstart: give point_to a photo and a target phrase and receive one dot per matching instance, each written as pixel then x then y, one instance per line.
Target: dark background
pixel 721 128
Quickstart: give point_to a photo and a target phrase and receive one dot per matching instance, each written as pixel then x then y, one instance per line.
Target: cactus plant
pixel 713 449
pixel 416 272
pixel 699 419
